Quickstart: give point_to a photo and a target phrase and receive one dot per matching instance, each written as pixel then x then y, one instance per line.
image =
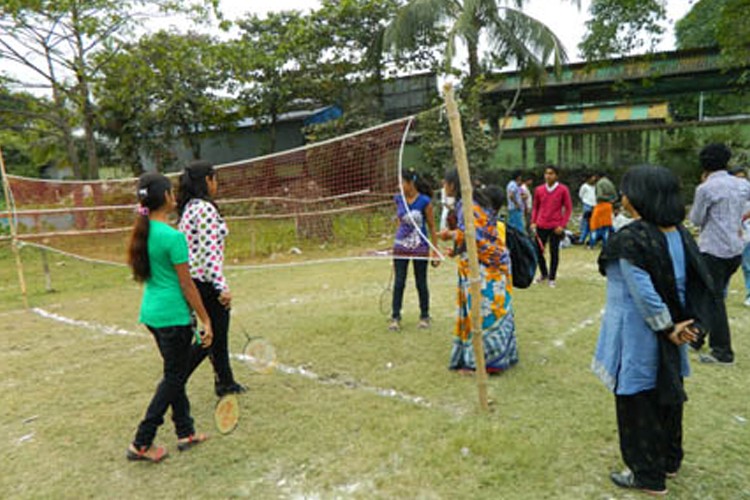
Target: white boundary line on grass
pixel 288 370
pixel 560 341
pixel 106 330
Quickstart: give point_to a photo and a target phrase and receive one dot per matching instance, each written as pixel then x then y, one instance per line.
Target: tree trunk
pixel 474 70
pixel 62 119
pixel 86 106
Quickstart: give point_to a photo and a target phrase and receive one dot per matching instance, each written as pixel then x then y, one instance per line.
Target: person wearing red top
pixel 549 215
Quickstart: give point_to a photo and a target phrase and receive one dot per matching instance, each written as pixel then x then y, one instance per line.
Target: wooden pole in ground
pixel 459 154
pixel 13 233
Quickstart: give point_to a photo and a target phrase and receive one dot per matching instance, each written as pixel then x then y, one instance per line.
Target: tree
pixel 718 23
pixel 272 64
pixel 715 23
pixel 622 27
pixel 511 35
pixel 58 40
pixel 353 66
pixel 163 89
pixel 28 136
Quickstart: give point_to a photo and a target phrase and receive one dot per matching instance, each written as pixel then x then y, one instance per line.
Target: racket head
pixel 259 355
pixel 227 413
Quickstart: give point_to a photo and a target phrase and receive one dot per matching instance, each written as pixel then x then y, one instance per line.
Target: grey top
pixel 717 210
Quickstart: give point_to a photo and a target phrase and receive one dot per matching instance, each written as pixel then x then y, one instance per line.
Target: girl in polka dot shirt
pixel 206 231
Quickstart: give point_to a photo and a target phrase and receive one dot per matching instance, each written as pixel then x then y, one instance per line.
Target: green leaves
pixel 621 27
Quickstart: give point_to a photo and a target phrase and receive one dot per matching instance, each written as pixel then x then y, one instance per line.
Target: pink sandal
pixel 147 453
pixel 190 441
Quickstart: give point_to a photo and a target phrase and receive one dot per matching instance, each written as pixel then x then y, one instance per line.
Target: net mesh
pixel 329 200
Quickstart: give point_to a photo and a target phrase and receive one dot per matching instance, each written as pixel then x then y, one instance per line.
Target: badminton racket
pixel 227 413
pixel 259 354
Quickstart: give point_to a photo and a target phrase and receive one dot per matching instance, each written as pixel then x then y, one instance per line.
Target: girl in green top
pixel 158 256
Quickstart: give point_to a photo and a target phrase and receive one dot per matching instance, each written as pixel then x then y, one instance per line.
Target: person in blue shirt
pixel 414 242
pixel 656 301
pixel 516 203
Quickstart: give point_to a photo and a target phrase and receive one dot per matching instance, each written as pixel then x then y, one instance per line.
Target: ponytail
pixel 152 190
pixel 138 249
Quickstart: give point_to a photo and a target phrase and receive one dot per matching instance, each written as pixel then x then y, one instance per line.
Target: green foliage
pixel 721 23
pixel 59 41
pixel 289 60
pixel 622 27
pixel 512 35
pixel 679 151
pixel 437 147
pixel 716 23
pixel 699 27
pixel 163 89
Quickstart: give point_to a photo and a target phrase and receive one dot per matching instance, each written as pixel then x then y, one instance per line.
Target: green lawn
pixel 378 414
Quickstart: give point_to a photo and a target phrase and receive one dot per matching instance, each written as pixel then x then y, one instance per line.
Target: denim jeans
pixel 174 346
pixel 515 219
pixel 401 268
pixel 218 353
pixel 603 234
pixel 585 231
pixel 746 269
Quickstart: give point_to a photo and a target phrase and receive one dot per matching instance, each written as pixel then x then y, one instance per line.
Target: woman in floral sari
pixel 498 325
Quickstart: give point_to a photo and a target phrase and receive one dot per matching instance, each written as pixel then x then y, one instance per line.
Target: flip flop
pixel 147 453
pixel 190 441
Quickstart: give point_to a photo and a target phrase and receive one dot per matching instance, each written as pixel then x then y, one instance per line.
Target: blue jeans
pixel 585 231
pixel 515 219
pixel 746 268
pixel 600 234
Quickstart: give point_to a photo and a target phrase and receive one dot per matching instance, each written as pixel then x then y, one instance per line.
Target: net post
pixel 45 268
pixel 462 163
pixel 13 233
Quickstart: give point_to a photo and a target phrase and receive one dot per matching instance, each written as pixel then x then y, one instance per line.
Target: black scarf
pixel 644 245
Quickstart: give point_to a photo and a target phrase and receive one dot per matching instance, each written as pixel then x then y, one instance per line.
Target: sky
pixel 561 16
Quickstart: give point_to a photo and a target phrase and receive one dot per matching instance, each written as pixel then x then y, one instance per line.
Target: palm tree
pixel 511 35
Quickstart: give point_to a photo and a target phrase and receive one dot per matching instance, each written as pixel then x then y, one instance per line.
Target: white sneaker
pixel 747 302
pixel 552 284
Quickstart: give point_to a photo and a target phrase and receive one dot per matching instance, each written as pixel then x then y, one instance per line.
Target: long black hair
pixel 420 184
pixel 193 184
pixel 480 198
pixel 152 190
pixel 654 192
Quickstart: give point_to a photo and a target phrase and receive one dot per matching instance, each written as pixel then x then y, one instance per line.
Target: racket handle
pixel 198 335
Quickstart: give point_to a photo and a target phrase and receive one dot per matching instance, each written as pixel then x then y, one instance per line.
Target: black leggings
pixel 218 353
pixel 401 268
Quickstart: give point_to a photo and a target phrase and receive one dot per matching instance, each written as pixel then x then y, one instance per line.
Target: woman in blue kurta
pixel 654 273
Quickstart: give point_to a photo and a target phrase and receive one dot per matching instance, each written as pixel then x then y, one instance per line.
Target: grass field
pixel 354 411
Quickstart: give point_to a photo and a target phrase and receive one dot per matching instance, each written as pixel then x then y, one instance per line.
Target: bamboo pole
pixel 13 233
pixel 459 154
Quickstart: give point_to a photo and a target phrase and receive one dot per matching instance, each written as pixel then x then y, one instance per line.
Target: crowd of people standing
pixel 664 291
